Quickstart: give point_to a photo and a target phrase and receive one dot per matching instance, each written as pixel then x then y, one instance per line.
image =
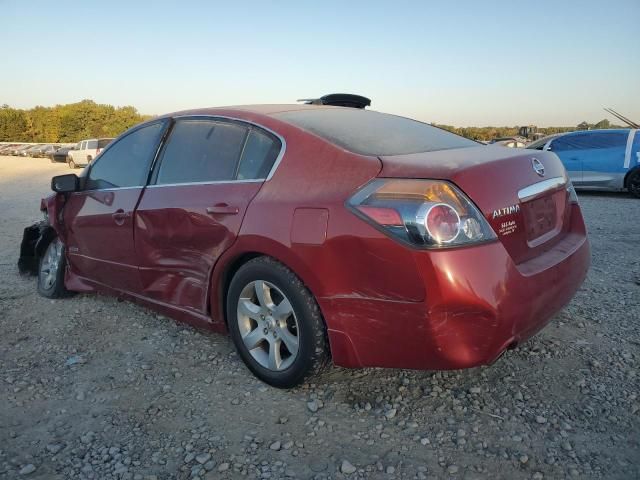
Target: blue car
pixel 598 159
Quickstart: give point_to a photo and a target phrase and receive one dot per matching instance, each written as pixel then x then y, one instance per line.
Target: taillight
pixel 571 191
pixel 424 213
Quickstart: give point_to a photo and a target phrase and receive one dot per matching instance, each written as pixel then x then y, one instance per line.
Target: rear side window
pixel 104 142
pixel 126 162
pixel 373 133
pixel 92 144
pixel 258 156
pixel 201 151
pixel 585 141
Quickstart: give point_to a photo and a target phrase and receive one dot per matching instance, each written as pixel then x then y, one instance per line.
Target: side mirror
pixel 65 183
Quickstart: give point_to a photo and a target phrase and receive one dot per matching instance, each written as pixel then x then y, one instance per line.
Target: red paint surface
pixel 384 304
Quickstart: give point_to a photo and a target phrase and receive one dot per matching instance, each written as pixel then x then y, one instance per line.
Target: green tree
pixel 13 125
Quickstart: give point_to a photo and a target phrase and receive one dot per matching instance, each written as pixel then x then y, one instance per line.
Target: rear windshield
pixel 373 133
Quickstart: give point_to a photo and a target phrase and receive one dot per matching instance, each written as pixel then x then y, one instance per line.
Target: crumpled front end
pixel 37 236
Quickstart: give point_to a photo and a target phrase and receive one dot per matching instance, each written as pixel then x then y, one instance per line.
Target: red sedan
pixel 314 232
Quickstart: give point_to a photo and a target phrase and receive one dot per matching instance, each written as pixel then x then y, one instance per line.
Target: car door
pixel 99 218
pixel 568 148
pixel 76 154
pixel 82 153
pixel 604 158
pixel 206 175
pixel 71 154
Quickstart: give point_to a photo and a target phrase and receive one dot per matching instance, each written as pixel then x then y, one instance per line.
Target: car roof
pixel 260 109
pixel 598 130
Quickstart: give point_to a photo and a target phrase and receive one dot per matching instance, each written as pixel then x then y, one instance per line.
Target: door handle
pixel 120 216
pixel 222 209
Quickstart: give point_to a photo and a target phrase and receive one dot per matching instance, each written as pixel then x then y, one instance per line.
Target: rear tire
pixel 633 184
pixel 275 324
pixel 51 271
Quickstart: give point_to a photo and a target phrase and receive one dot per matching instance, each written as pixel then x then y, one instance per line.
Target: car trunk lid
pixel 527 209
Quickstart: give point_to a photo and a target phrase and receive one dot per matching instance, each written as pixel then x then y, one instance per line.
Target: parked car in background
pixel 44 150
pixel 598 159
pixel 18 149
pixel 85 151
pixel 5 149
pixel 60 155
pixel 31 151
pixel 315 231
pixel 510 142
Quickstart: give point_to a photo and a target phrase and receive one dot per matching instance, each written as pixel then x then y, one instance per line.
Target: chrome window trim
pixel 108 189
pixel 283 142
pixel 539 188
pixel 212 182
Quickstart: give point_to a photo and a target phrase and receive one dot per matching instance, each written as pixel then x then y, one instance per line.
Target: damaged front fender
pixel 36 237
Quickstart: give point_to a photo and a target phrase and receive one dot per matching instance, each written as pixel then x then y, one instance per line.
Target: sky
pixel 460 63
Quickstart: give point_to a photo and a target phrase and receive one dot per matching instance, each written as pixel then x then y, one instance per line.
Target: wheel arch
pixel 628 175
pixel 48 233
pixel 246 249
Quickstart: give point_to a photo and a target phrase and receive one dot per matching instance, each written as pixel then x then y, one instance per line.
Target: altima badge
pixel 510 210
pixel 537 166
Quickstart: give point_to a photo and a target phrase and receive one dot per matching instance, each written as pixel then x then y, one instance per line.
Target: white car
pixel 85 151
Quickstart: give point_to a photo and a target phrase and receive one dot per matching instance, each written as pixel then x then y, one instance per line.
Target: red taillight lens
pixel 383 216
pixel 425 213
pixel 442 223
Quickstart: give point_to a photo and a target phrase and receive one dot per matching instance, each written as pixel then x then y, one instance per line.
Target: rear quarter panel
pixel 351 258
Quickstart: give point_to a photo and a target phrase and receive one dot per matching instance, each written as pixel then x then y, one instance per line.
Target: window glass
pixel 126 162
pixel 373 133
pixel 103 142
pixel 201 151
pixel 258 156
pixel 584 141
pixel 92 144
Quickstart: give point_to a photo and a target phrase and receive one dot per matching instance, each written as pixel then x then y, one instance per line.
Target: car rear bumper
pixel 478 303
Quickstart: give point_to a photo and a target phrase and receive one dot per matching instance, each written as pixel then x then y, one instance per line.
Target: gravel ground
pixel 95 388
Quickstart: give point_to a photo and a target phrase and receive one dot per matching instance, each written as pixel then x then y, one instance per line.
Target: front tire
pixel 633 184
pixel 51 271
pixel 71 163
pixel 275 324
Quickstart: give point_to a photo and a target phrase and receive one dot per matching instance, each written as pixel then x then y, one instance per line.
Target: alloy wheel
pixel 50 264
pixel 268 325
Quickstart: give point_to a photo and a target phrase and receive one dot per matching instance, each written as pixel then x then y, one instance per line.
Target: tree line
pixel 66 123
pixel 489 133
pixel 86 119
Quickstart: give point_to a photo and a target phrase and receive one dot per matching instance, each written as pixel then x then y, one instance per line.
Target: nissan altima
pixel 315 233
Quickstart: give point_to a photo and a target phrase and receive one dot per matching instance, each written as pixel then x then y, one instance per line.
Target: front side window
pixel 201 151
pixel 126 162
